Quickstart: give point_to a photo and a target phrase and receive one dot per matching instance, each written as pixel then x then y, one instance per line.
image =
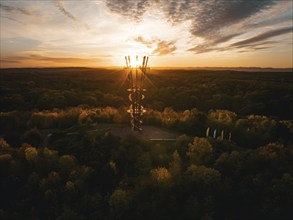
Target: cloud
pixel 15 10
pixel 209 46
pixel 164 48
pixel 12 19
pixel 206 16
pixel 60 6
pixel 214 22
pixel 8 61
pixel 147 43
pixel 161 47
pixel 213 16
pixel 257 42
pixel 225 38
pixel 252 46
pixel 60 59
pixel 202 48
pixel 33 57
pixel 131 9
pixel 280 18
pixel 262 37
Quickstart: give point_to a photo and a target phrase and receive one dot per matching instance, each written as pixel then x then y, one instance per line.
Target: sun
pixel 134 59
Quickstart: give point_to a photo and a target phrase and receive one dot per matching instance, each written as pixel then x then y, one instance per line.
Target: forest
pixel 232 159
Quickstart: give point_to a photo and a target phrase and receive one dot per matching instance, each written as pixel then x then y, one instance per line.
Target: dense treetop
pixel 232 159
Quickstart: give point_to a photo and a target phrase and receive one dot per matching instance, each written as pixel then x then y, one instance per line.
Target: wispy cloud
pixel 206 16
pixel 202 48
pixel 215 22
pixel 214 16
pixel 15 10
pixel 4 61
pixel 59 4
pixel 164 48
pixel 10 12
pixel 212 45
pixel 132 9
pixel 34 57
pixel 225 38
pixel 147 43
pixel 61 59
pixel 263 36
pixel 161 47
pixel 68 14
pixel 12 19
pixel 280 18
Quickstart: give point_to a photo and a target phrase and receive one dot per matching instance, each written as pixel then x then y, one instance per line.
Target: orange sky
pixel 173 33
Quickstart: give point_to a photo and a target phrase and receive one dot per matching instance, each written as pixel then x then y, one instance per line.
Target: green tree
pixel 200 151
pixel 203 175
pixel 33 137
pixel 31 154
pixel 181 145
pixel 143 163
pixel 222 116
pixel 160 175
pixel 4 145
pixel 119 203
pixel 175 165
pixel 69 214
pixel 170 118
pixel 66 163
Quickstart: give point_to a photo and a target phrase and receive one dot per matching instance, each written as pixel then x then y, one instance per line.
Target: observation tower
pixel 136 74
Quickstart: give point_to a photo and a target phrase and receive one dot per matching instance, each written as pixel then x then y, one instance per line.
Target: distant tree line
pixel 244 93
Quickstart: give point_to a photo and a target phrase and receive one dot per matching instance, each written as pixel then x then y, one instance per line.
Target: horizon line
pixel 157 67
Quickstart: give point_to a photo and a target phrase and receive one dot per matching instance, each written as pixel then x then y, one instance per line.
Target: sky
pixel 174 33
